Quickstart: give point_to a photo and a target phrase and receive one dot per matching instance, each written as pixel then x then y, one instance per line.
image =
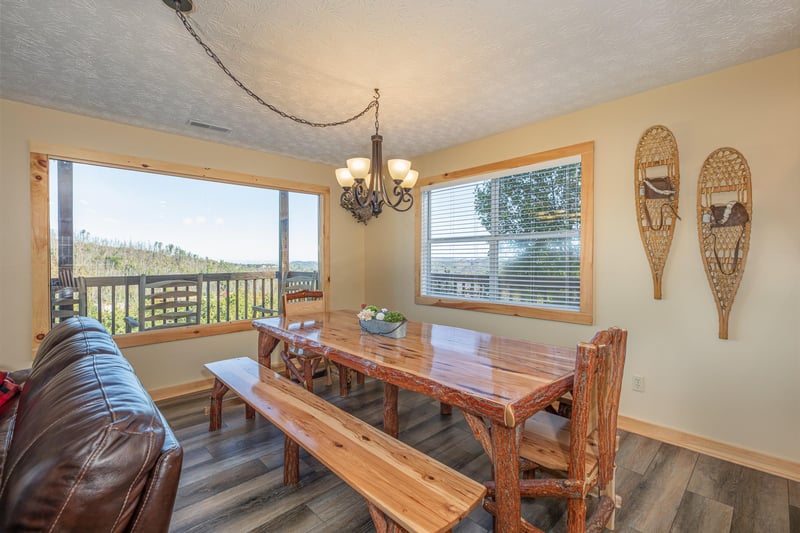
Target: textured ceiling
pixel 449 71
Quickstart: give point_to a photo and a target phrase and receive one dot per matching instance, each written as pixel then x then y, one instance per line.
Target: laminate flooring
pixel 232 480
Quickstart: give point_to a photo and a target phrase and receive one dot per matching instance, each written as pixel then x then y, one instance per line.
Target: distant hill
pixel 103 257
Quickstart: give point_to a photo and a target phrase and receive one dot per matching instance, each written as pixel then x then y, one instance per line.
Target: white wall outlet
pixel 638 383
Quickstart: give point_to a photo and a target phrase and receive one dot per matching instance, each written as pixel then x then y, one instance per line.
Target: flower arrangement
pixel 382 321
pixel 369 312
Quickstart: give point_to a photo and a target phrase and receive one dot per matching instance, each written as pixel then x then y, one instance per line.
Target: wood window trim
pixel 40 155
pixel 585 315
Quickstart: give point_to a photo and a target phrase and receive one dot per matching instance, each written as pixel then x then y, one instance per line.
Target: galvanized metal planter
pixel 394 330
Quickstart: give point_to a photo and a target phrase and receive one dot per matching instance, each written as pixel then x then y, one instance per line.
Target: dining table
pixel 497 379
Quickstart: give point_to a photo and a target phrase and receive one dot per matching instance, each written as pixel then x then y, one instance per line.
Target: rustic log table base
pixel 503 380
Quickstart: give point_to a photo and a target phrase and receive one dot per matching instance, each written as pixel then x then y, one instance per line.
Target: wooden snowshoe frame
pixel 724 181
pixel 656 217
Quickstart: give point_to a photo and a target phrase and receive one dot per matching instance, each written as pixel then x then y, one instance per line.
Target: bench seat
pixel 403 487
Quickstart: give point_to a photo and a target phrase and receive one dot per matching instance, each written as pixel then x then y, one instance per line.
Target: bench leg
pixel 445 409
pixel 291 461
pixel 249 412
pixel 391 424
pixel 359 378
pixel 383 524
pixel 215 410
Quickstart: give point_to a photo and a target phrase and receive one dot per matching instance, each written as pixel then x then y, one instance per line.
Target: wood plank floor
pixel 232 479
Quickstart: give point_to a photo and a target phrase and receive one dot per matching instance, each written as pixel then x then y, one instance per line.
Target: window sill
pixel 181 333
pixel 573 317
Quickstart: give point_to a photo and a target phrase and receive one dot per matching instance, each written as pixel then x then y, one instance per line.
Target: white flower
pixel 365 314
pixel 380 316
pixel 383 310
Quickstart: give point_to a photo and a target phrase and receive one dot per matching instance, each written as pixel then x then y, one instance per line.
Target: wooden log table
pixel 503 380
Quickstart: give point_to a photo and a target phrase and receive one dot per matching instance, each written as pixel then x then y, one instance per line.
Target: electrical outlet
pixel 638 383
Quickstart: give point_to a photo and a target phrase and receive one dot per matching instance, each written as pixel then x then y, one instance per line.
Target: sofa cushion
pixel 85 437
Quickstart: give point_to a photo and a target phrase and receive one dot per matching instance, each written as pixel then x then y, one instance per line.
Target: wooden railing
pixel 226 297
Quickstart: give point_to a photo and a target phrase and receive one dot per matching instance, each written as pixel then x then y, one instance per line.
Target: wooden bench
pixel 405 489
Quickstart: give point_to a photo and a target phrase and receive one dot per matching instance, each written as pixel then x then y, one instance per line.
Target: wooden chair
pixel 67 301
pixel 301 364
pixel 167 303
pixel 300 281
pixel 581 450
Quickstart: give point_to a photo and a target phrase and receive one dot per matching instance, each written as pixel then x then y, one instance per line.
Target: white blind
pixel 513 239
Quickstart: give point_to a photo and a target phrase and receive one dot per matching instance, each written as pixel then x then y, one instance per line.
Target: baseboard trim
pixel 734 454
pixel 173 391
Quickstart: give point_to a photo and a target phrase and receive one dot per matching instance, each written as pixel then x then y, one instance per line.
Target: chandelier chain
pixel 374 103
pixel 377 108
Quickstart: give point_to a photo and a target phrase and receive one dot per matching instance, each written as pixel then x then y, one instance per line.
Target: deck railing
pixel 225 297
pixel 482 287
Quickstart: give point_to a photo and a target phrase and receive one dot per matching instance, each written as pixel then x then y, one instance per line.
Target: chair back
pixel 67 301
pixel 170 302
pixel 300 302
pixel 598 382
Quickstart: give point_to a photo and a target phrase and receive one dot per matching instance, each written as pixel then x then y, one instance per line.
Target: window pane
pixel 140 250
pixel 452 212
pixel 543 273
pixel 513 238
pixel 303 231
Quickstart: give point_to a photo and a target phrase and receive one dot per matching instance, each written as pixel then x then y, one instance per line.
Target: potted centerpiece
pixel 381 321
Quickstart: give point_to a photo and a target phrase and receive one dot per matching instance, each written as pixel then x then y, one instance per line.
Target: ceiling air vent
pixel 205 126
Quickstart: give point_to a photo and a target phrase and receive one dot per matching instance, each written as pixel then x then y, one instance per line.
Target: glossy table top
pixel 499 377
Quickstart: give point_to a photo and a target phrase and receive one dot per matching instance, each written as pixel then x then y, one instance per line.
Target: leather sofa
pixel 82 446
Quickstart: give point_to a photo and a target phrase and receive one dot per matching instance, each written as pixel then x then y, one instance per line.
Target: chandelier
pixel 364 189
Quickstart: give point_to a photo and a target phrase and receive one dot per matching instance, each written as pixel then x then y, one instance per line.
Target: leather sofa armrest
pixel 154 512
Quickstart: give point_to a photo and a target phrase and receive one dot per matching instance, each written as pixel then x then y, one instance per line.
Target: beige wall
pixel 743 391
pixel 170 363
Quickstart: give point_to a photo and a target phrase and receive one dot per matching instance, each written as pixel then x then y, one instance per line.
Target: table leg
pixel 308 373
pixel 445 409
pixel 249 412
pixel 505 447
pixel 266 344
pixel 390 422
pixel 215 410
pixel 343 371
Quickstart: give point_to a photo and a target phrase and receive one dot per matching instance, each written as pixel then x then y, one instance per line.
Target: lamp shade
pixel 358 167
pixel 398 168
pixel 410 180
pixel 344 177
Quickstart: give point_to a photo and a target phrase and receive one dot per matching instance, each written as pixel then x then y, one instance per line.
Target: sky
pixel 234 223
